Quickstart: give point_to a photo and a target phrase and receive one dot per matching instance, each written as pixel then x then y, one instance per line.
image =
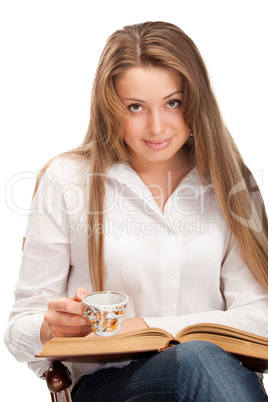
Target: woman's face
pixel 155 129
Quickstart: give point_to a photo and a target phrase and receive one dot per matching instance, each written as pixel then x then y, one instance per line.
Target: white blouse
pixel 178 268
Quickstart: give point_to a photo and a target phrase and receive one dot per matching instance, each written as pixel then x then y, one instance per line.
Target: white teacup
pixel 105 311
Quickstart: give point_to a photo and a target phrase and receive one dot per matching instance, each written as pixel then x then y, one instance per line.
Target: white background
pixel 49 52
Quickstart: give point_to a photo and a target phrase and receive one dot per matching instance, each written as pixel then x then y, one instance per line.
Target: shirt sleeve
pixel 44 267
pixel 246 301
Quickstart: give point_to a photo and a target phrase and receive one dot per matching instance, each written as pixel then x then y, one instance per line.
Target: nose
pixel 155 123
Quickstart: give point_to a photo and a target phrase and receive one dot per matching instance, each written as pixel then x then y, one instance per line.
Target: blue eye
pixel 134 107
pixel 172 104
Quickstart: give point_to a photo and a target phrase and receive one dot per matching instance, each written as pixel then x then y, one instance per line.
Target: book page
pixel 231 345
pixel 147 339
pixel 228 332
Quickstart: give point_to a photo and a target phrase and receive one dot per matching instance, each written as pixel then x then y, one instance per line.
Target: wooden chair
pixel 58 380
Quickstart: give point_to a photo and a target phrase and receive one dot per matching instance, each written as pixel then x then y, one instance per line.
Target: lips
pixel 158 145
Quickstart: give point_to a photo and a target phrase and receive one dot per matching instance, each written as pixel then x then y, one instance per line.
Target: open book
pixel 250 349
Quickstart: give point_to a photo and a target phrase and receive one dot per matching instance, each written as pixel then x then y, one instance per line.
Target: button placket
pixel 172 268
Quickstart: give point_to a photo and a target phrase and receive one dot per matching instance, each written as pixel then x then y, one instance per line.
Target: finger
pixel 56 318
pixel 66 305
pixel 79 294
pixel 65 331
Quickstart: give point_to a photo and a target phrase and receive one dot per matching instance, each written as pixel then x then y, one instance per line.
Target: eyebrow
pixel 166 97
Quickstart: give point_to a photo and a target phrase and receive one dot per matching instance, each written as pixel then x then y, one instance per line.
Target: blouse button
pixel 171 276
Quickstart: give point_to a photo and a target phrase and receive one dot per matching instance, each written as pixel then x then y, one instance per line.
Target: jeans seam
pixel 262 386
pixel 150 393
pixel 77 386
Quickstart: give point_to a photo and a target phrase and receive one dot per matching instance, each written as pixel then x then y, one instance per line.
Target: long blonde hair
pixel 216 156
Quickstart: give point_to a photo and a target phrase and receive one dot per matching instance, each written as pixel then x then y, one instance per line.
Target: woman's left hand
pixel 132 324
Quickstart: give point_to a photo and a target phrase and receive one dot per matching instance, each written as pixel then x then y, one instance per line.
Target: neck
pixel 180 164
pixel 162 178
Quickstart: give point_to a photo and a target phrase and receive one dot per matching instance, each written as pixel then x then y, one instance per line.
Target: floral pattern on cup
pixel 105 319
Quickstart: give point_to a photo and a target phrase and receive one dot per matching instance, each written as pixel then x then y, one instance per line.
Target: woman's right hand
pixel 64 317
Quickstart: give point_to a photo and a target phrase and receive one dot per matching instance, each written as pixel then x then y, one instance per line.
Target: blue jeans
pixel 194 371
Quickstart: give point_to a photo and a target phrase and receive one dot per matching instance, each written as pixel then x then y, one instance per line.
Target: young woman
pixel 157 203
